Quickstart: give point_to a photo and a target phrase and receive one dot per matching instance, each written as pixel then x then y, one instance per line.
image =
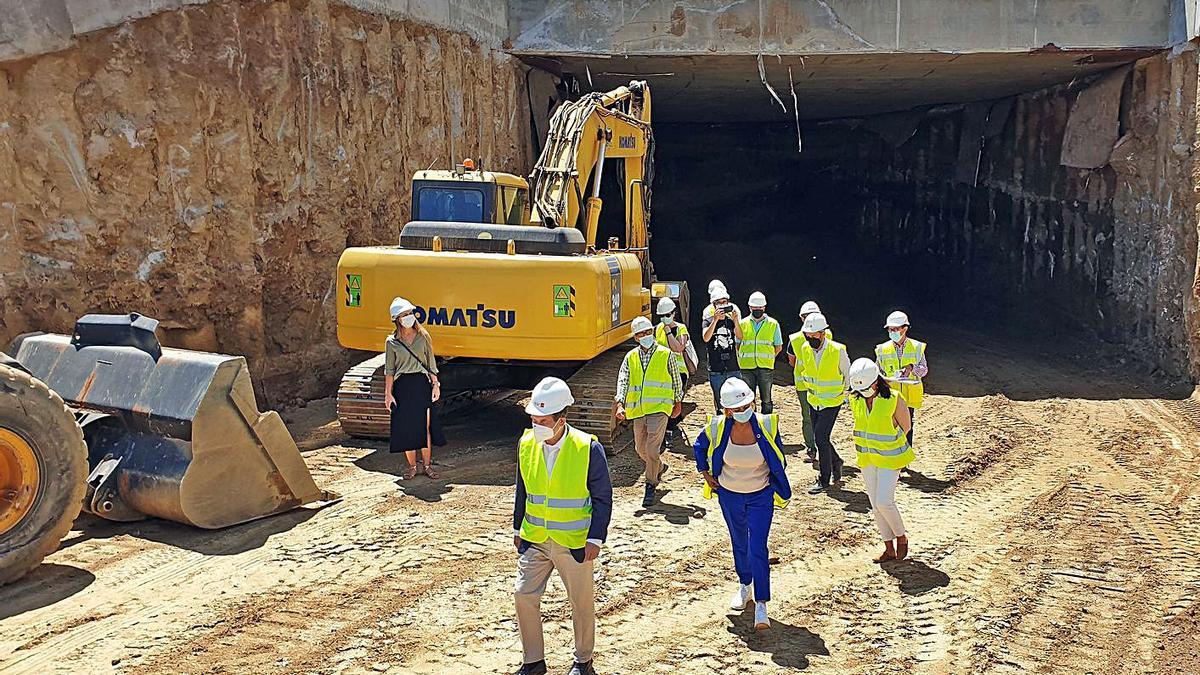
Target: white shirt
pixel 744 470
pixel 550 454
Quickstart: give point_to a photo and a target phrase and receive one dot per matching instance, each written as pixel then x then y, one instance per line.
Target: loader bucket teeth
pixel 171 433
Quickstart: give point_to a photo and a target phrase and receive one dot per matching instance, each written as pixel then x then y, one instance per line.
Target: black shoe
pixel 582 669
pixel 837 474
pixel 667 440
pixel 648 500
pixel 812 454
pixel 535 668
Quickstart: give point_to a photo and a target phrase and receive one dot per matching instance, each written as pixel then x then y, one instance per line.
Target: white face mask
pixel 744 415
pixel 408 320
pixel 646 341
pixel 543 433
pixel 666 320
pixel 895 336
pixel 867 393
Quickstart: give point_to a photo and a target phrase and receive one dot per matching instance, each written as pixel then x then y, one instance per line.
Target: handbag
pixel 437 436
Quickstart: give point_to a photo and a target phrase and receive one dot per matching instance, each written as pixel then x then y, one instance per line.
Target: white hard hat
pixel 815 323
pixel 757 299
pixel 640 324
pixel 896 320
pixel 718 293
pixel 550 396
pixel 665 306
pixel 809 307
pixel 735 393
pixel 400 306
pixel 863 374
pixel 715 284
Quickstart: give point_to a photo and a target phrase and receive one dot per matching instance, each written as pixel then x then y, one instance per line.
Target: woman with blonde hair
pixel 411 387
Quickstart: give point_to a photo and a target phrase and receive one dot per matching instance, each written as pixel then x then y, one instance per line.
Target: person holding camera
pixel 674 335
pixel 721 331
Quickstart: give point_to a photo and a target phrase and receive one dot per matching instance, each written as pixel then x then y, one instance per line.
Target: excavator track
pixel 595 387
pixel 360 401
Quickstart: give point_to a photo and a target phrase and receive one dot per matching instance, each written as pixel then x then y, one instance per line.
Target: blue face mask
pixel 894 335
pixel 743 416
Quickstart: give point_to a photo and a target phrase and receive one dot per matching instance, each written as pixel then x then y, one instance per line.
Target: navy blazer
pixel 599 485
pixel 778 470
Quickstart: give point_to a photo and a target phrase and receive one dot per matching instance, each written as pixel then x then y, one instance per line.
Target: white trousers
pixel 881 490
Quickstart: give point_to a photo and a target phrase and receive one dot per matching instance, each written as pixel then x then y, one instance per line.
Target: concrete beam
pixel 693 27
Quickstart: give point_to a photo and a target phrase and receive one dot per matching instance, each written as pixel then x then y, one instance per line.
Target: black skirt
pixel 414 418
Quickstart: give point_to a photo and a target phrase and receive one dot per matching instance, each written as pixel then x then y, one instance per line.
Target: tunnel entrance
pixel 980 190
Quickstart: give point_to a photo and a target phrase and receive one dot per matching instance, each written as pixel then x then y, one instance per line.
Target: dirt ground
pixel 1053 512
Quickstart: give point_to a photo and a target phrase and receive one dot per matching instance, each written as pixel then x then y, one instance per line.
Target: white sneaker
pixel 740 597
pixel 761 622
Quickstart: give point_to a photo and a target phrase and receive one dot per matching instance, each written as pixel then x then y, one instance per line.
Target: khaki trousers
pixel 533 571
pixel 648 434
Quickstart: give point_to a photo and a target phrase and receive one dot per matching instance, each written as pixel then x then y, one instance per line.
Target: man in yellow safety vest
pixel 560 521
pixel 902 361
pixel 794 341
pixel 762 340
pixel 649 392
pixel 823 367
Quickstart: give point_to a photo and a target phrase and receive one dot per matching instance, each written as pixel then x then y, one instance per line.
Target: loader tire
pixel 34 422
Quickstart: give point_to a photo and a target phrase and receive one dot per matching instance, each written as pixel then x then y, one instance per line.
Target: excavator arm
pixel 583 136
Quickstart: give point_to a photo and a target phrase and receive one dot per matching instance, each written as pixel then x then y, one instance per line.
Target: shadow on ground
pixel 47 584
pixel 916 577
pixel 789 646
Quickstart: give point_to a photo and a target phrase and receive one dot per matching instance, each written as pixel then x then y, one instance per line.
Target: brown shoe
pixel 901 547
pixel 409 473
pixel 888 554
pixel 429 471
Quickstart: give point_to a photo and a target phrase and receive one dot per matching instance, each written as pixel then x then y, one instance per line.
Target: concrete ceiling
pixel 728 88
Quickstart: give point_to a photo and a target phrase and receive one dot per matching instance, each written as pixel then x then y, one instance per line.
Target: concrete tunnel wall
pixel 208 165
pixel 976 199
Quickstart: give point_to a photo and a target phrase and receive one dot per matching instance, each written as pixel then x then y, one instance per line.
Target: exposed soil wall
pixel 975 203
pixel 207 166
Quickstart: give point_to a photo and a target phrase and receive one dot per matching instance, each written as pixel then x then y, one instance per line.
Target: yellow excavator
pixel 507 274
pixel 108 421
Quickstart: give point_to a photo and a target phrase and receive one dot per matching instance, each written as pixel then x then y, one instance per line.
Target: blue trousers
pixel 715 380
pixel 748 516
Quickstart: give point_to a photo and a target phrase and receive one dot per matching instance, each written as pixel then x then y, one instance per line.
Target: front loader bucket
pixel 171 433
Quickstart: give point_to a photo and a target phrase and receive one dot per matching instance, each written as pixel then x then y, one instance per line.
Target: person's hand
pixel 908 371
pixel 437 391
pixel 712 482
pixel 677 410
pixel 517 541
pixel 590 552
pixel 389 402
pixel 620 412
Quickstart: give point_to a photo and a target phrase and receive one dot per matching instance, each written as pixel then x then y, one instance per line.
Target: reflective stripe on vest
pixel 757 348
pixel 768 424
pixel 660 335
pixel 876 437
pixel 557 506
pixel 651 391
pixel 824 381
pixel 892 363
pixel 796 341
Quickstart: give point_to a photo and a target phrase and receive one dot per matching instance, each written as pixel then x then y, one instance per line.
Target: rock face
pixel 207 166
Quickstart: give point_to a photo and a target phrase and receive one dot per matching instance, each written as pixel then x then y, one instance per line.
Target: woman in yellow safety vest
pixel 740 455
pixel 881 421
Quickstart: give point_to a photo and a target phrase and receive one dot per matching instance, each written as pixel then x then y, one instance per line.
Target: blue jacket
pixel 599 485
pixel 778 475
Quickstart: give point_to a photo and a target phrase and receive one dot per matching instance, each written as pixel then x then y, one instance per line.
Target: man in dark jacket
pixel 560 520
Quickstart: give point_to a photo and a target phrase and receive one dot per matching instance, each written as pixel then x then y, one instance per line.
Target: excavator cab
pixel 467 195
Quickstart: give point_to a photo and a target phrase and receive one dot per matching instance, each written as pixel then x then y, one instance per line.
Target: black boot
pixel 535 668
pixel 582 669
pixel 648 500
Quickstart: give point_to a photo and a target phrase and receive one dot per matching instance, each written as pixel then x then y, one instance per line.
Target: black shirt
pixel 722 350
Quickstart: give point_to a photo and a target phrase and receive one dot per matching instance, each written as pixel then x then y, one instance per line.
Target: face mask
pixel 646 341
pixel 666 320
pixel 543 433
pixel 867 394
pixel 814 342
pixel 408 320
pixel 743 416
pixel 894 335
pixel 758 313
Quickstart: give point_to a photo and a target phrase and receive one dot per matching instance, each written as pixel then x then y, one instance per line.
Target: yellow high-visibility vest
pixel 824 381
pixel 891 362
pixel 877 438
pixel 651 391
pixel 660 335
pixel 715 429
pixel 557 506
pixel 757 348
pixel 795 340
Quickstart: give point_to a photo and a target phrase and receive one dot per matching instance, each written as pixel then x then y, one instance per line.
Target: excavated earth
pixel 1053 510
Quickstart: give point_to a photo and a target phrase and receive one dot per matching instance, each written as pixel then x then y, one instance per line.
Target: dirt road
pixel 1053 512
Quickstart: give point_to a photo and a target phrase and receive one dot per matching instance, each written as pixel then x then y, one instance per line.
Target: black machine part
pixel 491 238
